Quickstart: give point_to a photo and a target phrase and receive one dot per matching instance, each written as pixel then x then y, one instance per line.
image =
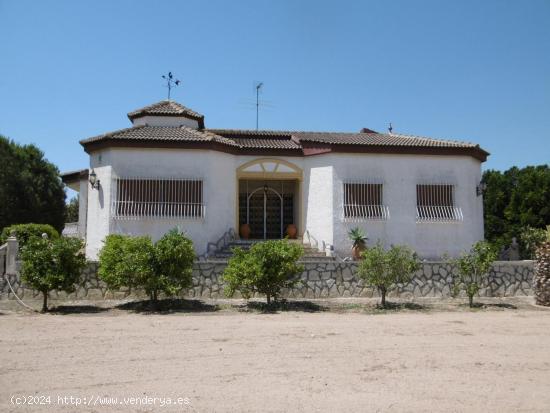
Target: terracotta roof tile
pixel 378 139
pixel 166 108
pixel 161 133
pixel 341 138
pixel 288 140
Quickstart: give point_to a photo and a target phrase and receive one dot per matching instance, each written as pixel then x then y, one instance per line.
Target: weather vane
pixel 170 82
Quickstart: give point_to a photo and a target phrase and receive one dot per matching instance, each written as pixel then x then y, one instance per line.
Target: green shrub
pixel 125 260
pixel 529 240
pixel 383 269
pixel 52 265
pixel 473 268
pixel 23 232
pixel 266 268
pixel 136 262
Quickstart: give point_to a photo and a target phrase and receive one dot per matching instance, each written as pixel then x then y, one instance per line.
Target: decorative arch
pixel 269 168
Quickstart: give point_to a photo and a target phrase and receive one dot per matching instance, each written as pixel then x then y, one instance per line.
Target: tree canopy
pixel 516 199
pixel 30 187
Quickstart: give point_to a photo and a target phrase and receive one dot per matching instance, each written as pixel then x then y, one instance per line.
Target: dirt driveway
pixel 496 361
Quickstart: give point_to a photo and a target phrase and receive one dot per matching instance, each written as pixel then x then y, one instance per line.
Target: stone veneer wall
pixel 319 280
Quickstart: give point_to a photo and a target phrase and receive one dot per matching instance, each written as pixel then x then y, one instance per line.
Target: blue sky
pixel 468 70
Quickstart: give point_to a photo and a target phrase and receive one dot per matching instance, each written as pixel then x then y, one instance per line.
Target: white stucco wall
pixel 320 203
pixel 98 216
pixel 400 174
pixel 82 206
pixel 209 166
pixel 319 199
pixel 166 121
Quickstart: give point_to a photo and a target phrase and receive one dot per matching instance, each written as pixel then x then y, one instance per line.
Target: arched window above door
pixel 269 168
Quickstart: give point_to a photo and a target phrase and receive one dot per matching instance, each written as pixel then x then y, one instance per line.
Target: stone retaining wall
pixel 319 280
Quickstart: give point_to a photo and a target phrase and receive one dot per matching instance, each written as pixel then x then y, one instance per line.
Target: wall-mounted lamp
pixel 94 182
pixel 480 188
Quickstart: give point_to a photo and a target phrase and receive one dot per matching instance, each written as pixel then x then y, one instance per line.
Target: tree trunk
pixel 154 299
pixel 268 296
pixel 383 293
pixel 44 302
pixel 471 300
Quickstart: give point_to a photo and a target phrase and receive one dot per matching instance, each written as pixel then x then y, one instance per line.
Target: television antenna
pixel 256 103
pixel 170 82
pixel 258 86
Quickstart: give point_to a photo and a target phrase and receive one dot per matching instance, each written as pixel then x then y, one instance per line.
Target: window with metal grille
pixel 436 202
pixel 363 200
pixel 158 198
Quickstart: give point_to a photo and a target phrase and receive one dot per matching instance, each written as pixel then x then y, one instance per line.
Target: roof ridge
pixel 408 135
pixel 165 108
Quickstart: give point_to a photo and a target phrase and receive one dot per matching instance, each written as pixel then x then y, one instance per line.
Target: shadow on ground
pixel 391 306
pixel 492 305
pixel 377 308
pixel 169 305
pixel 282 305
pixel 77 309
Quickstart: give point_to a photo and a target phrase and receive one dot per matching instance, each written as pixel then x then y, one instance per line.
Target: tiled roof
pixel 165 108
pixel 379 139
pixel 339 138
pixel 160 133
pixel 286 142
pixel 258 139
pixel 266 143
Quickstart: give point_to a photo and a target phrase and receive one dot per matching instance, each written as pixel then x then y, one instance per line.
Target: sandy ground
pixel 491 360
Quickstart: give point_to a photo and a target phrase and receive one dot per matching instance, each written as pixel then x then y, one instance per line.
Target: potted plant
pixel 291 231
pixel 245 231
pixel 359 239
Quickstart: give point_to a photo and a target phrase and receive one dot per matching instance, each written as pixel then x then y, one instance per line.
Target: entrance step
pixel 310 253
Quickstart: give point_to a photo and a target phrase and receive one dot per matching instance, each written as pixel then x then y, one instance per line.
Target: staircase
pixel 310 253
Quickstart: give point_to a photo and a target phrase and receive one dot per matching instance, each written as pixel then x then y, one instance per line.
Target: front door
pixel 265 213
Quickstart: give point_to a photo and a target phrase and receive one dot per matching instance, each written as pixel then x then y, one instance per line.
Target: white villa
pixel 168 170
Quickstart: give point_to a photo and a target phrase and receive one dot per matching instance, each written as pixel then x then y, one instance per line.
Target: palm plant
pixel 359 239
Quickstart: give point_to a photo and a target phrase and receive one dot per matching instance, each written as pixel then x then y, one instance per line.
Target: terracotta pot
pixel 291 231
pixel 244 231
pixel 357 250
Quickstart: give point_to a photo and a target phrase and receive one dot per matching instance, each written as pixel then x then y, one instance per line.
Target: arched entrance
pixel 268 197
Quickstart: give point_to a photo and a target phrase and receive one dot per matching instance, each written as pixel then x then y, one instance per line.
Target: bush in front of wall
pixel 24 232
pixel 473 268
pixel 52 265
pixel 136 262
pixel 266 268
pixel 384 269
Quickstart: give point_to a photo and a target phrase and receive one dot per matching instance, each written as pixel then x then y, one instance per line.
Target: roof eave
pixel 74 176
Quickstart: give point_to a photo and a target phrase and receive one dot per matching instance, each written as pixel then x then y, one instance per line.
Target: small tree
pixel 383 269
pixel 173 265
pixel 136 262
pixel 266 268
pixel 473 268
pixel 52 265
pixel 125 260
